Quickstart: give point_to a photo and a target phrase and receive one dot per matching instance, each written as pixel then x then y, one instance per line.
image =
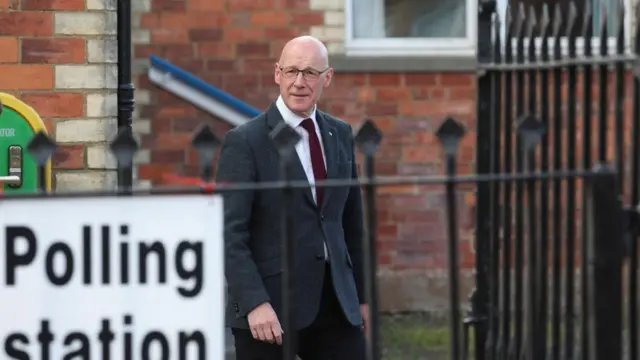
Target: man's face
pixel 302 74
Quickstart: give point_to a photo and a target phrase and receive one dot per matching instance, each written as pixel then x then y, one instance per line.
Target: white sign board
pixel 128 278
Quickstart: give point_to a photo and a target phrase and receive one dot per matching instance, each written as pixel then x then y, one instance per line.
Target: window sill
pixel 403 64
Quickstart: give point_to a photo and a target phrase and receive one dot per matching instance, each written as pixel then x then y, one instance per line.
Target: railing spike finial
pixel 284 138
pixel 124 147
pixel 604 33
pixel 368 137
pixel 41 148
pixel 449 134
pixel 545 22
pixel 205 142
pixel 557 21
pixel 531 130
pixel 621 14
pixel 587 22
pixel 520 21
pixel 572 16
pixel 532 22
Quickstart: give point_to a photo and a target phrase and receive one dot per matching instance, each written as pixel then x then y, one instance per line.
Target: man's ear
pixel 328 77
pixel 276 74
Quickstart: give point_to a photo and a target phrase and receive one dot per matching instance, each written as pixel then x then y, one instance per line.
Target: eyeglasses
pixel 308 73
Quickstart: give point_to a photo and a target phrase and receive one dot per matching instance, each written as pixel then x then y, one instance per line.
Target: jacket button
pixel 320 256
pixel 321 217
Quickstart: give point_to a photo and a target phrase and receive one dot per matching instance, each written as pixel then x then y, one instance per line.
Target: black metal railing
pixel 541 244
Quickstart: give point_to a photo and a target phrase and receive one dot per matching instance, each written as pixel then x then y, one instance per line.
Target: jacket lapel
pixel 295 166
pixel 330 142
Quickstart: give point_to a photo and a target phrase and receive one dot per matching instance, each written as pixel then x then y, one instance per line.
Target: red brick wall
pixel 233 46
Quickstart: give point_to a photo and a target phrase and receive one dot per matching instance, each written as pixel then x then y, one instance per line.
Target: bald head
pixel 307 47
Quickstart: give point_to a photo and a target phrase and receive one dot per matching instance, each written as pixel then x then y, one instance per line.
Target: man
pixel 328 311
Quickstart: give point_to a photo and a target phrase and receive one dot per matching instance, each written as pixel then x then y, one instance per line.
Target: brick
pixel 334 18
pixel 56 104
pixel 26 23
pixel 169 36
pixel 141 36
pixel 457 79
pixel 326 4
pixel 69 156
pixel 206 5
pixel 85 130
pixel 205 34
pixel 259 65
pixel 244 5
pixel 66 5
pixel 281 33
pixel 253 49
pixel 86 76
pixel 85 180
pixel 216 50
pixel 102 105
pixel 100 157
pixel 382 79
pixel 102 51
pixel 26 77
pixel 393 94
pixel 168 5
pixel 8 50
pixel 150 20
pixel 270 19
pixel 155 171
pixel 167 156
pixel 53 50
pixel 106 4
pixel 307 18
pixel 84 23
pixel 244 34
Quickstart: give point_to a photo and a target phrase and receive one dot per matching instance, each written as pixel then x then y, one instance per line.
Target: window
pixel 411 27
pixel 598 7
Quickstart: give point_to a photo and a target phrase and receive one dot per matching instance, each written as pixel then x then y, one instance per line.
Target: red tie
pixel 317 161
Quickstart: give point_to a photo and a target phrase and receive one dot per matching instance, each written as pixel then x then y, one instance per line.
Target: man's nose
pixel 299 80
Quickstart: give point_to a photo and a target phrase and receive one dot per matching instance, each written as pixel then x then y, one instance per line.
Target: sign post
pixel 131 278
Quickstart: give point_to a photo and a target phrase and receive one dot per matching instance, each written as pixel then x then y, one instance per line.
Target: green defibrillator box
pixel 19 173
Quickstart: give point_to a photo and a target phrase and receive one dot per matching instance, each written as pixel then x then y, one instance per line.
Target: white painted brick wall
pixel 98 79
pixel 333 30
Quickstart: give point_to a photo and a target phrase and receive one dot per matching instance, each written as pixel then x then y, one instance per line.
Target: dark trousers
pixel 329 337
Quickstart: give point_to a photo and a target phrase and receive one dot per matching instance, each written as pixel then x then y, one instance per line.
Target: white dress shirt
pixel 302 147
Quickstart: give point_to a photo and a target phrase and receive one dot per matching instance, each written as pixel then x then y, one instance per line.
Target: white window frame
pixel 379 47
pixel 580 43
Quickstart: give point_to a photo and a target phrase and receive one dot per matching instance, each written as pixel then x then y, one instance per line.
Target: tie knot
pixel 307 124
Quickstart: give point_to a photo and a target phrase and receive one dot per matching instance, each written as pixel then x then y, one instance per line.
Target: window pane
pixel 596 9
pixel 410 18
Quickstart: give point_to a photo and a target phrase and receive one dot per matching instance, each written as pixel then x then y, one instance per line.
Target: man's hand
pixel 364 311
pixel 264 324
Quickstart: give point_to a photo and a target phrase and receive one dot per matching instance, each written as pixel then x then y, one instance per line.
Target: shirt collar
pixel 289 116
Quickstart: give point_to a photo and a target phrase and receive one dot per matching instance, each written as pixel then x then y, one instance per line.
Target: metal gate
pixel 559 122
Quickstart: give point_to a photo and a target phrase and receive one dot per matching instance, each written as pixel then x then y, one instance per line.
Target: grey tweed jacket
pixel 252 234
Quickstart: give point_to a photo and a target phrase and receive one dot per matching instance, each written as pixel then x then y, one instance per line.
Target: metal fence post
pixel 285 138
pixel 606 251
pixel 480 296
pixel 450 133
pixel 368 138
